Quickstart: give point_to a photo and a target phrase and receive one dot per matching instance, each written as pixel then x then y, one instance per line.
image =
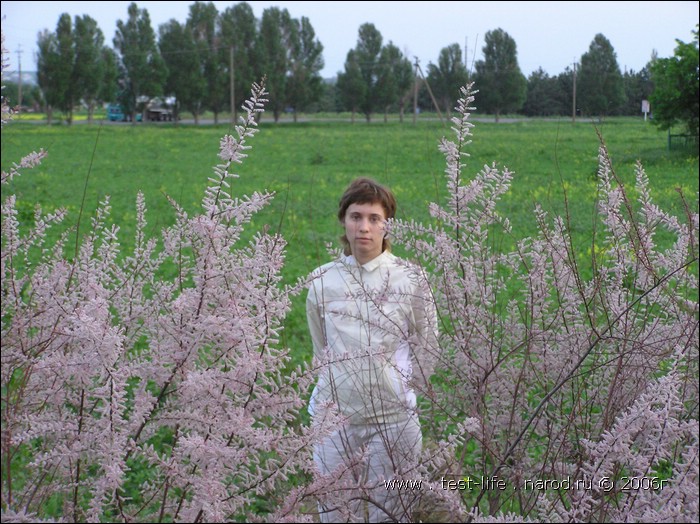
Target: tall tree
pixel 387 93
pixel 89 68
pixel 143 68
pixel 73 66
pixel 542 97
pixel 330 97
pixel 203 22
pixel 600 90
pixel 185 80
pixel 448 76
pixel 564 92
pixel 638 87
pixel 394 80
pixel 351 86
pixel 405 81
pixel 66 82
pixel 272 52
pixel 239 33
pixel 50 74
pixel 110 75
pixel 675 96
pixel 304 83
pixel 502 86
pixel 368 52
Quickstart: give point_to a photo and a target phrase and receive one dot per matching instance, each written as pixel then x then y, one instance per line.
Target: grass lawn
pixel 309 164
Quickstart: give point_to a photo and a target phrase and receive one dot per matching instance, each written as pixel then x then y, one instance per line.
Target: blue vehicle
pixel 115 113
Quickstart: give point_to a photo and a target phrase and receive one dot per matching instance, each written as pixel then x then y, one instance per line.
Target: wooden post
pixel 573 113
pixel 415 90
pixel 233 92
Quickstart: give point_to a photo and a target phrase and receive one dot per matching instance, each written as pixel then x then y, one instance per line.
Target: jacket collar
pixel 381 260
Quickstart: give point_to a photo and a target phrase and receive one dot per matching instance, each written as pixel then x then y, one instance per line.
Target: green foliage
pixel 65 63
pixel 306 61
pixel 387 86
pixel 351 87
pixel 369 48
pixel 272 55
pixel 674 100
pixel 638 86
pixel 600 87
pixel 10 91
pixel 502 86
pixel 74 66
pixel 402 70
pixel 143 70
pixel 50 75
pixel 377 78
pixel 239 33
pixel 553 95
pixel 203 24
pixel 542 99
pixel 88 70
pixel 110 70
pixel 449 72
pixel 185 78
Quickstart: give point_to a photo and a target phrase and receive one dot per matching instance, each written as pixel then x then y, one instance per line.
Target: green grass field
pixel 309 164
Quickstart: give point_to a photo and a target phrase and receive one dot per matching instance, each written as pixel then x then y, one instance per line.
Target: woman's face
pixel 364 228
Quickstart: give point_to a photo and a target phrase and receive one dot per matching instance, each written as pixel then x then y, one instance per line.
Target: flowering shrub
pixel 582 394
pixel 129 396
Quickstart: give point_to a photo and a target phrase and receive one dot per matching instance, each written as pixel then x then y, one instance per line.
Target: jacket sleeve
pixel 315 321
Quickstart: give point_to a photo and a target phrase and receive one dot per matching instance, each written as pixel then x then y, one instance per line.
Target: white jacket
pixel 374 329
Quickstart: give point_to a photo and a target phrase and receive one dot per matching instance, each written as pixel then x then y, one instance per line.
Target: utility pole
pixel 415 90
pixel 573 114
pixel 432 96
pixel 19 81
pixel 233 93
pixel 466 38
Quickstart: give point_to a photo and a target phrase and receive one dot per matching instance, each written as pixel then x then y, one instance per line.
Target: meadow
pixel 307 165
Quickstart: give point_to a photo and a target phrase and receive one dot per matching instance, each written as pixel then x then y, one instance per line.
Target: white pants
pixel 390 451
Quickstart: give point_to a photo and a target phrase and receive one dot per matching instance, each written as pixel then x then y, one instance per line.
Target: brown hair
pixel 366 191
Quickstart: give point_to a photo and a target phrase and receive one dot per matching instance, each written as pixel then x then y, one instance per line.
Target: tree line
pixel 208 63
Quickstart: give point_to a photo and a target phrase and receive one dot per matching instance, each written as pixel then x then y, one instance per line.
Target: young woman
pixel 373 325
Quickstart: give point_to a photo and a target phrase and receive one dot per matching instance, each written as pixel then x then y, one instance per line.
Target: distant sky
pixel 550 35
